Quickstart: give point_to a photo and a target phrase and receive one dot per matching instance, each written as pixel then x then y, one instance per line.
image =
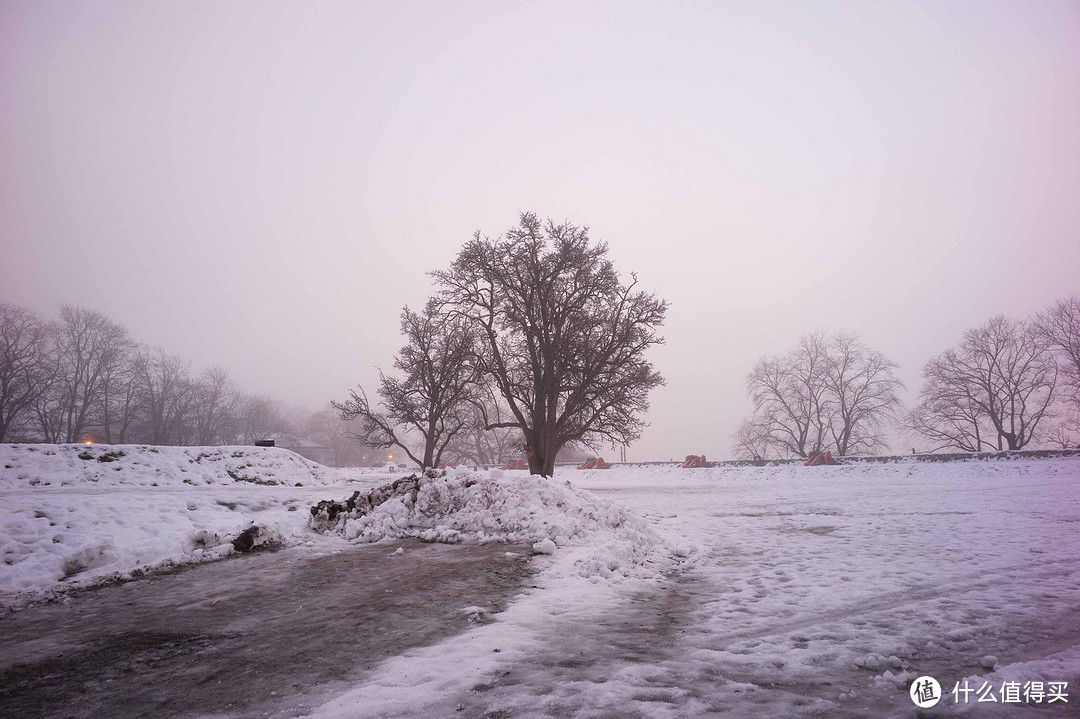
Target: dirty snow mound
pixel 491 507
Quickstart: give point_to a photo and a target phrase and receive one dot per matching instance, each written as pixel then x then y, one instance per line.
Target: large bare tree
pixel 563 338
pixel 27 364
pixel 992 392
pixel 431 397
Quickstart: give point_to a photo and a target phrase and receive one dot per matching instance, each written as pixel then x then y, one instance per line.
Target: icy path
pixel 822 592
pixel 257 635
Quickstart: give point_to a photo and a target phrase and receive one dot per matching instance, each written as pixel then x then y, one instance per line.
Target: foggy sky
pixel 264 184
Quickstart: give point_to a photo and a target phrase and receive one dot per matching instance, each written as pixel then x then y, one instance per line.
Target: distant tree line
pixel 532 345
pixel 829 393
pixel 1009 384
pixel 82 377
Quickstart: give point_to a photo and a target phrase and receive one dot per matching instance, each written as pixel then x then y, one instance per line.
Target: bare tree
pixel 1059 327
pixel 215 407
pixel 90 346
pixel 948 413
pixel 49 415
pixel 83 377
pixel 165 393
pixel 828 393
pixel 752 440
pixel 476 444
pixel 326 429
pixel 991 392
pixel 564 340
pixel 262 417
pixel 863 391
pixel 1066 433
pixel 27 364
pixel 431 396
pixel 790 396
pixel 119 406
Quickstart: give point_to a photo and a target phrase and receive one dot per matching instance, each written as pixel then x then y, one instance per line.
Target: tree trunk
pixel 540 452
pixel 107 421
pixel 542 464
pixel 535 460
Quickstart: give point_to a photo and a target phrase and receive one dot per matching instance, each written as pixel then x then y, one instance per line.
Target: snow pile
pixel 69 540
pixel 23 466
pixel 78 515
pixel 494 506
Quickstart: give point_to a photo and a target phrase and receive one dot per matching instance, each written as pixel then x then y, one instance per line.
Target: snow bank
pixel 77 515
pixel 494 506
pixel 24 466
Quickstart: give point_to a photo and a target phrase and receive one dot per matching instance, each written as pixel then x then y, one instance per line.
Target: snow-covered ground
pixel 807 592
pixel 773 591
pixel 828 589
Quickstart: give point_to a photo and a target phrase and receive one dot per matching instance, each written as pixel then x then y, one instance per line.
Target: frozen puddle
pixel 256 635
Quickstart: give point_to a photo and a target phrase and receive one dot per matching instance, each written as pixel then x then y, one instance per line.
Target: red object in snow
pixel 597 463
pixel 520 464
pixel 446 465
pixel 693 461
pixel 816 459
